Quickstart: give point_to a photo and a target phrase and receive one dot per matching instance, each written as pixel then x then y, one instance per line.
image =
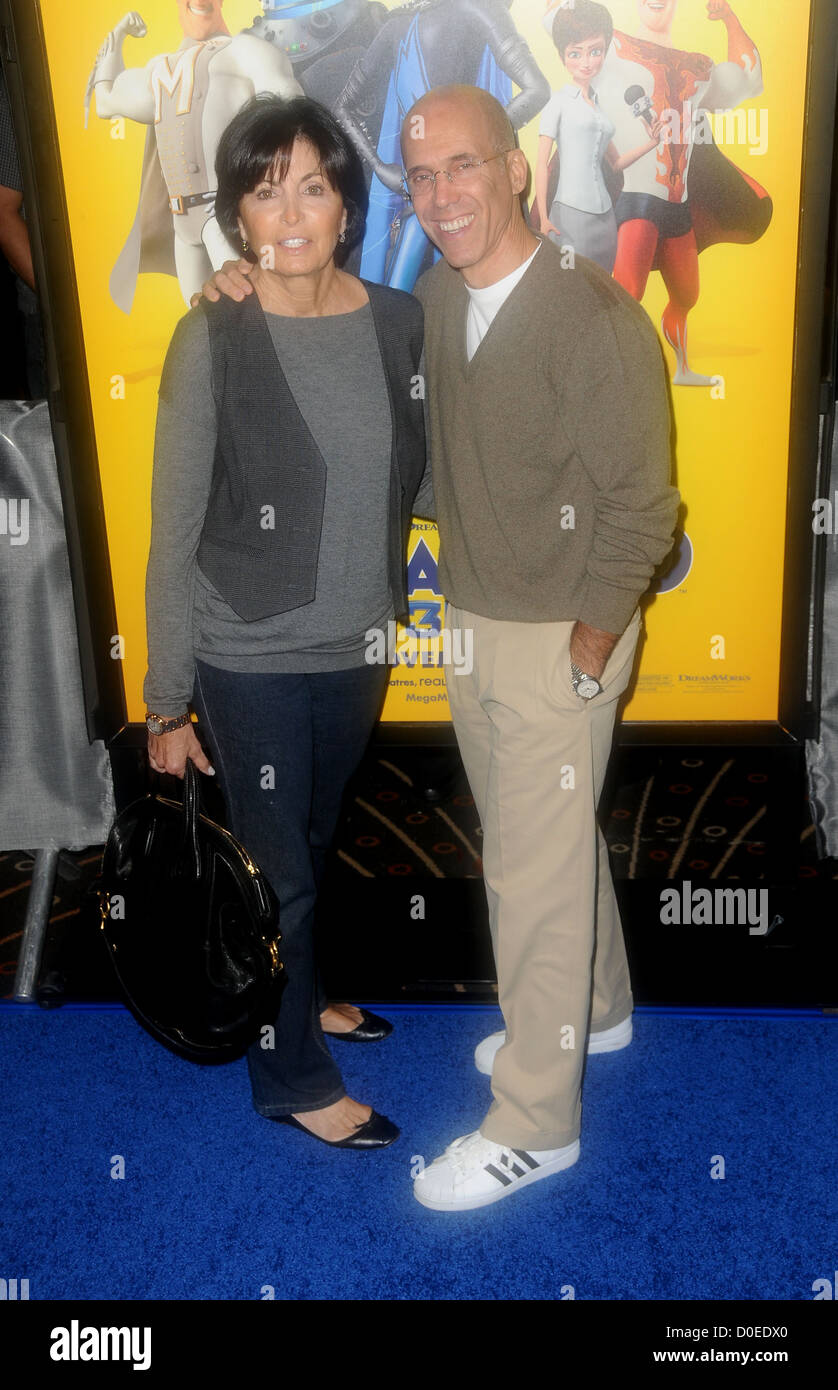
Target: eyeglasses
pixel 419 185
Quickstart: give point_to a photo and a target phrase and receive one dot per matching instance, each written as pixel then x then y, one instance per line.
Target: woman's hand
pixel 231 280
pixel 170 752
pixel 548 227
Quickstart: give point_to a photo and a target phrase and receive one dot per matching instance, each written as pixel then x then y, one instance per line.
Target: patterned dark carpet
pixel 409 815
pixel 707 815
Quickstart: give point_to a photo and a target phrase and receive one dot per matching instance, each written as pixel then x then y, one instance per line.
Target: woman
pixel 288 456
pixel 582 214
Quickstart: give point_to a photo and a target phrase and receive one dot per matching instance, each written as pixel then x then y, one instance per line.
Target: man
pixel 685 195
pixel 188 98
pixel 550 452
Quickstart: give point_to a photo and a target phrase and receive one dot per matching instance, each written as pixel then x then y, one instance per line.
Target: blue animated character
pixel 422 45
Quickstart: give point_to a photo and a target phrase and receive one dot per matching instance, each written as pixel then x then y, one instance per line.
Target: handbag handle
pixel 191 811
pixel 190 849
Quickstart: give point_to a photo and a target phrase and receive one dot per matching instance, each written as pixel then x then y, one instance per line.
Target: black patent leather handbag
pixel 191 927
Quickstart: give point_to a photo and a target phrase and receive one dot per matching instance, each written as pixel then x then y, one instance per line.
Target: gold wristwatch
pixel 162 724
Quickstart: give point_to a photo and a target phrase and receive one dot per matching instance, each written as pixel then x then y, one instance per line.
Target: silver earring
pixel 342 236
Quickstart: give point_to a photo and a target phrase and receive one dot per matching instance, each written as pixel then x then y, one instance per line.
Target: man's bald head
pixel 473 103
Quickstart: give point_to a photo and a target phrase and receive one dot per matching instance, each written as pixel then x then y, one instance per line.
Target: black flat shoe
pixel 370 1029
pixel 376 1133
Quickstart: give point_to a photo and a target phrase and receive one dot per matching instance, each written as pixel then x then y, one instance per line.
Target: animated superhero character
pixel 686 195
pixel 187 98
pixel 322 39
pixel 581 211
pixel 426 44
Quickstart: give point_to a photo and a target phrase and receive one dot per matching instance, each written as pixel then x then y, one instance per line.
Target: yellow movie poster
pixel 682 177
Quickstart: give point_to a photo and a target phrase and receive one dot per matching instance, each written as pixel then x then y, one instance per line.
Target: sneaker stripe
pixel 526 1158
pixel 496 1173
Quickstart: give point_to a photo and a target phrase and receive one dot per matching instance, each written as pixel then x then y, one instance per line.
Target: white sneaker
pixel 473 1172
pixel 609 1040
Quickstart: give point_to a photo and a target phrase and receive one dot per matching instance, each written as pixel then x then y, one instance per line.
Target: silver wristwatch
pixel 586 687
pixel 162 724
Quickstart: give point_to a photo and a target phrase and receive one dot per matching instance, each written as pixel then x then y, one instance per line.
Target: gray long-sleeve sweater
pixel 333 367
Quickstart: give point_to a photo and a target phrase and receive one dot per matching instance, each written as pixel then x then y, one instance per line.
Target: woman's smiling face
pixel 293 223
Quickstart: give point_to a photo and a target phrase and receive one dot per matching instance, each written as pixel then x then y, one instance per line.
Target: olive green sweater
pixel 551 448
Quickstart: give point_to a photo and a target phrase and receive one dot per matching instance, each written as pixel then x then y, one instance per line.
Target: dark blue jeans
pixel 305 734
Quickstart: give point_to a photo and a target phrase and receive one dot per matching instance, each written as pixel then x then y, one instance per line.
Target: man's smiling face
pixel 200 19
pixel 469 221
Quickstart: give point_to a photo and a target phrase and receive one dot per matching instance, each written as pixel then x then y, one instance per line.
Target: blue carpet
pixel 218 1203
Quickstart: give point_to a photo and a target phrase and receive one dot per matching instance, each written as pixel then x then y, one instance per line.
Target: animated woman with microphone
pixel 581 215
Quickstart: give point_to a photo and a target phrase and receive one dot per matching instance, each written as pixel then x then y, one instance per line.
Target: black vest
pixel 266 457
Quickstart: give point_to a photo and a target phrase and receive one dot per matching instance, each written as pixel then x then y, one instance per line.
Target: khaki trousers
pixel 535 755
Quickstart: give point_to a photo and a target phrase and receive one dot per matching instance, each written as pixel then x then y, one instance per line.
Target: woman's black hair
pixel 582 20
pixel 257 144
